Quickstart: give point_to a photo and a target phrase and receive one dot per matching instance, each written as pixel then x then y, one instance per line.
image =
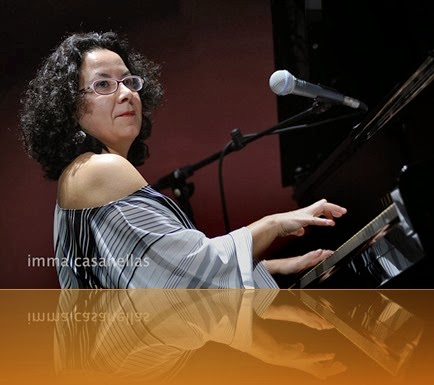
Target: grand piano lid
pixel 374 122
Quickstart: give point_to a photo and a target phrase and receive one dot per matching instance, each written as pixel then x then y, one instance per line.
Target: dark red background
pixel 216 59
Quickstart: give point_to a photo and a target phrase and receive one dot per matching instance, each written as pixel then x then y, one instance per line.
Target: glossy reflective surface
pixel 217 336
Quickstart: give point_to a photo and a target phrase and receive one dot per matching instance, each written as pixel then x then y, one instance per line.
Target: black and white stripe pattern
pixel 145 241
pixel 148 337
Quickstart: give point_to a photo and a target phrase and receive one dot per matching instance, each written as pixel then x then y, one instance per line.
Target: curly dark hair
pixel 51 103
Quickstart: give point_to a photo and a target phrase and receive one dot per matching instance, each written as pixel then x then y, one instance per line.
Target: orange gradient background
pixel 213 337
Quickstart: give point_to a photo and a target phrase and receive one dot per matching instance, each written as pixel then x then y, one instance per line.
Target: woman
pixel 85 118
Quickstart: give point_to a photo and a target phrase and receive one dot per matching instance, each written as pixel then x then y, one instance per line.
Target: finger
pixel 314 257
pixel 323 254
pixel 322 206
pixel 299 232
pixel 321 221
pixel 335 210
pixel 328 214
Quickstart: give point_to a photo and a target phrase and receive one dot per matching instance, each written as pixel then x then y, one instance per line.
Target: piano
pixel 381 173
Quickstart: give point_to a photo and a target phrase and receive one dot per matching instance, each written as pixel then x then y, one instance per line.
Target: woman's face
pixel 113 119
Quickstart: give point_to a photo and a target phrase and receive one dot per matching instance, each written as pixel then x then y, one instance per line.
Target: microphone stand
pixel 176 180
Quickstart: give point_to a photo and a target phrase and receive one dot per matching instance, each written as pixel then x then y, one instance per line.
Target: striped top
pixel 144 240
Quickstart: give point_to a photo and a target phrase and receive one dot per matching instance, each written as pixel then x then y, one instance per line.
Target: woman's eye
pixel 101 84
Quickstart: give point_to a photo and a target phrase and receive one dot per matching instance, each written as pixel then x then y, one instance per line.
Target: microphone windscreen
pixel 282 82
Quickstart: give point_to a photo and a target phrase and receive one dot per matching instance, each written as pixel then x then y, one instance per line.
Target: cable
pixel 221 187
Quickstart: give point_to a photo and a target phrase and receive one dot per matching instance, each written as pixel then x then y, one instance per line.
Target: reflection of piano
pixel 383 329
pixel 380 174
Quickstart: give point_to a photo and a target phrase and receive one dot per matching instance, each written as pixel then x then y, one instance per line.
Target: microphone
pixel 283 83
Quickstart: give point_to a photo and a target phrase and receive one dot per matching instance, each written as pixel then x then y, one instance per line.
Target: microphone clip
pixel 321 105
pixel 237 139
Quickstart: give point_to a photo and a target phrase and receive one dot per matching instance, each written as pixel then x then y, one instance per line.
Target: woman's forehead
pixel 102 62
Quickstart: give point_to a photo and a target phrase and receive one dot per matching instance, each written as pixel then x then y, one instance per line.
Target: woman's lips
pixel 127 113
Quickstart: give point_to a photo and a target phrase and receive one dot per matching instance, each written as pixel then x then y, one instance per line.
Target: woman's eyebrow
pixel 105 75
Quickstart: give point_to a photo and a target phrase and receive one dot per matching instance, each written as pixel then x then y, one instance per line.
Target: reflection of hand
pixel 294 265
pixel 267 349
pixel 320 365
pixel 297 314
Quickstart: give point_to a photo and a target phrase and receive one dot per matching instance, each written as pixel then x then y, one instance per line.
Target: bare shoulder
pixel 93 180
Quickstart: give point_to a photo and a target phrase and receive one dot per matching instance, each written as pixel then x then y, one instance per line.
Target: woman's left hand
pixel 293 265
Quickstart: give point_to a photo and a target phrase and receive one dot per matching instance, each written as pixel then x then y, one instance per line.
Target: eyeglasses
pixel 110 86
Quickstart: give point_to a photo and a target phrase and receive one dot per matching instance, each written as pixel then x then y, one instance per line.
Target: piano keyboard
pixel 388 217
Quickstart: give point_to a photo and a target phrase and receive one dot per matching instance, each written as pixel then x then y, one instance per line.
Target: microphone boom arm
pixel 176 180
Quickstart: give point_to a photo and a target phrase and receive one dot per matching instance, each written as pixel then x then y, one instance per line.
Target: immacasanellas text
pixel 50 261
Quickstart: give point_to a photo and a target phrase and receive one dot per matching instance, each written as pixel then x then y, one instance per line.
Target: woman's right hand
pixel 267 229
pixel 320 213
